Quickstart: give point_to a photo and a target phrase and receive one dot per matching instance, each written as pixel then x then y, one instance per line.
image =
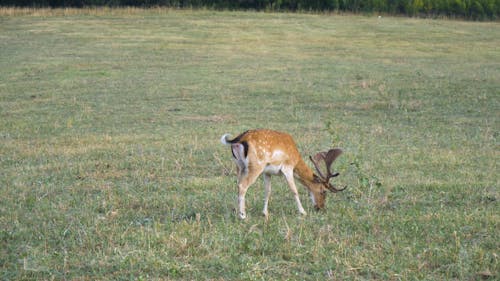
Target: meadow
pixel 111 166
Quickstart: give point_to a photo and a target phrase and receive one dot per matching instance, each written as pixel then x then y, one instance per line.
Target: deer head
pixel 327 157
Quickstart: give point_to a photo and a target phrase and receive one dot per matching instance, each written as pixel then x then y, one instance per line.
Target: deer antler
pixel 328 157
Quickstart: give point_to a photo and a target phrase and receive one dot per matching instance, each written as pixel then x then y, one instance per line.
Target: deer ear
pixel 317 179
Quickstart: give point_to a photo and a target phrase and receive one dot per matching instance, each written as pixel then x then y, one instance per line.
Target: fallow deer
pixel 268 152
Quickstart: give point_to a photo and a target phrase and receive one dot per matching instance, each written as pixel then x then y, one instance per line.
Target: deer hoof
pixel 266 215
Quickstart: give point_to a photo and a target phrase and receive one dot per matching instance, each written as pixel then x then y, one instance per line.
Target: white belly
pixel 273 169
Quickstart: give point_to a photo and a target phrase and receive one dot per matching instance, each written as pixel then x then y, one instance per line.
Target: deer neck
pixel 303 173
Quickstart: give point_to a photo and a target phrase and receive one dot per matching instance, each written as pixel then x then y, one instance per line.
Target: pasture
pixel 111 166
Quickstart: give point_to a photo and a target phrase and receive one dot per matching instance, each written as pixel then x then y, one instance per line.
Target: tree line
pixel 468 9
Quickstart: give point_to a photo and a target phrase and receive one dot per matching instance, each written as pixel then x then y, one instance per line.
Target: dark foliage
pixel 468 9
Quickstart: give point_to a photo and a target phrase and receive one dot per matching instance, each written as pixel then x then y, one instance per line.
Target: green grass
pixel 111 166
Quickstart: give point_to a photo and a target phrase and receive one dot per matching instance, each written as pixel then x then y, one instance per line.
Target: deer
pixel 269 152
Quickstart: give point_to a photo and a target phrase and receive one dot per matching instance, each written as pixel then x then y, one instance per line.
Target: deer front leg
pixel 293 188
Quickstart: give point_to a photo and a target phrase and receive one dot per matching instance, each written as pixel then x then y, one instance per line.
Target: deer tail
pixel 225 139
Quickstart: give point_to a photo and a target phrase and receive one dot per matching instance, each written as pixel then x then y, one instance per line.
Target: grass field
pixel 111 166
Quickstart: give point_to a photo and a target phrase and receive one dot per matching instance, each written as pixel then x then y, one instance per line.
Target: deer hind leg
pixel 291 183
pixel 267 194
pixel 244 182
pixel 247 174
